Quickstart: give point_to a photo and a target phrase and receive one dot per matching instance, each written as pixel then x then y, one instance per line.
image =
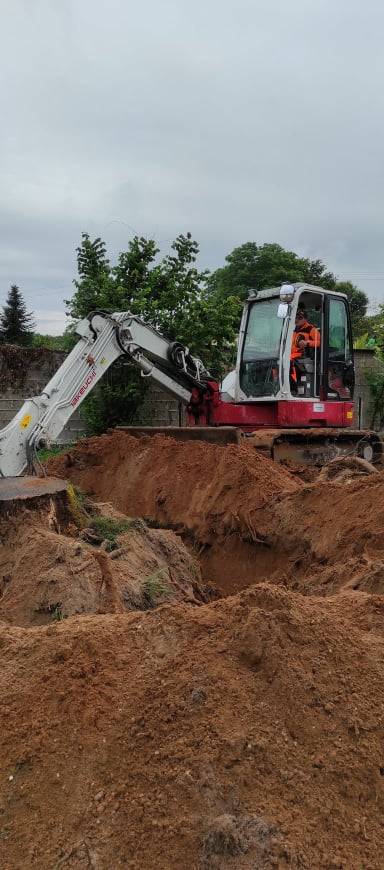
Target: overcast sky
pixel 254 120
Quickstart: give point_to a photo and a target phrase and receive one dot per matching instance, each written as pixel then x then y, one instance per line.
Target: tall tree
pixel 254 267
pixel 171 294
pixel 95 284
pixel 16 323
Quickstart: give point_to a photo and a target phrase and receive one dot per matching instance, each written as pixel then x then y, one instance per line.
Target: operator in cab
pixel 306 336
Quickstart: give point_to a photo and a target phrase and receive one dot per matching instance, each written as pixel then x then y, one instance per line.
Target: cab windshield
pixel 259 369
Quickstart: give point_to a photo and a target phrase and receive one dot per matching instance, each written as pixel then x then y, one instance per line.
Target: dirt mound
pixel 245 733
pixel 210 490
pixel 334 521
pixel 242 733
pixel 46 576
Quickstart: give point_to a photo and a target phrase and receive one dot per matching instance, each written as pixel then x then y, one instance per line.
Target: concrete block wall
pixel 24 372
pixel 159 408
pixel 365 361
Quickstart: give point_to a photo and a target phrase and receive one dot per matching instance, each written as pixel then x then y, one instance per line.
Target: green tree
pixel 171 294
pixel 253 266
pixel 358 301
pixel 372 338
pixel 95 283
pixel 16 323
pixel 174 297
pixel 63 342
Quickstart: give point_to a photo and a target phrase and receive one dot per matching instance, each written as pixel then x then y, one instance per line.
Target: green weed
pixel 56 450
pixel 54 610
pixel 109 528
pixel 75 500
pixel 155 587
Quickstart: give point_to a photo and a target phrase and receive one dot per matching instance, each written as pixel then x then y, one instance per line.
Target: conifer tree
pixel 16 323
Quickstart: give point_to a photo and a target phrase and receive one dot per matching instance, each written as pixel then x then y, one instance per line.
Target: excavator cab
pixel 296 344
pixel 292 392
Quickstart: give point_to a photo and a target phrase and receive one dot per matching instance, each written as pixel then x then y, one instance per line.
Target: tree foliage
pixel 358 301
pixel 375 379
pixel 373 338
pixel 255 267
pixel 63 342
pixel 171 294
pixel 199 309
pixel 16 323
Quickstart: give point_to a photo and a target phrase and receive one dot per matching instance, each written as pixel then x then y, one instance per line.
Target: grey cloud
pixel 254 119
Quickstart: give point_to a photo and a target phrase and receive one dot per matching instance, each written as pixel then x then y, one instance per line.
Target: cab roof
pixel 274 292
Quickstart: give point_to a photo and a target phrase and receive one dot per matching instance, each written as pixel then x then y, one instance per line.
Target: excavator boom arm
pixel 102 339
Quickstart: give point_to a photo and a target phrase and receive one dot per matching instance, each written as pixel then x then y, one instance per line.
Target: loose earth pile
pixel 177 730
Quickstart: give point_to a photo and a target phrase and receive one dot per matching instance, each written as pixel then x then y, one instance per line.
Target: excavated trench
pixel 247 520
pixel 216 500
pixel 148 526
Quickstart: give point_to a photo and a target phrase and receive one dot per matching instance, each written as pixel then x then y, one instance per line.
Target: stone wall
pixel 24 372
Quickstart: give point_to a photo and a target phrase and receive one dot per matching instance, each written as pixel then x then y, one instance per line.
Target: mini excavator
pixel 299 410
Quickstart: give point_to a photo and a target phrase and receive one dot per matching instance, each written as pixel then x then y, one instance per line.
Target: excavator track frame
pixel 317 446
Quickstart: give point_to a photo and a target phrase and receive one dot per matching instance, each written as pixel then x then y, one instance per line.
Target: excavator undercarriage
pixel 290 446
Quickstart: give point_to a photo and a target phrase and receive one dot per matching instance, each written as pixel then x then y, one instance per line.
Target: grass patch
pixel 109 528
pixel 54 610
pixel 56 450
pixel 75 501
pixel 156 587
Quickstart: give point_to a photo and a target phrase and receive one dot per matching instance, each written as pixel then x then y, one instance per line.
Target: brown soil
pixel 241 733
pixel 249 518
pixel 46 576
pixel 245 733
pixel 211 491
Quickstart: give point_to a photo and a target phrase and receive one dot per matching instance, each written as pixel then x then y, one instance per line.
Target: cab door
pixel 339 373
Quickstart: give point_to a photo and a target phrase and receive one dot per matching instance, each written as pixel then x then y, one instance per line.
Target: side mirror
pixel 287 292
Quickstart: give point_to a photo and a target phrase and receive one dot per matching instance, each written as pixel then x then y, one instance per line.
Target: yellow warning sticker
pixel 103 361
pixel 27 419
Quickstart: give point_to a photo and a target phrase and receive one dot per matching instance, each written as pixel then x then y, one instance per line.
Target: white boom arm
pixel 103 338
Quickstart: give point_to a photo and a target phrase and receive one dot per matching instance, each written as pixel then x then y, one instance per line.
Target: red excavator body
pixel 292 389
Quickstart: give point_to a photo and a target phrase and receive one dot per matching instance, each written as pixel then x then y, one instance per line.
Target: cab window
pixel 340 366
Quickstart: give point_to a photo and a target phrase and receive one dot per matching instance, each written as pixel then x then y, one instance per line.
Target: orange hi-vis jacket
pixel 309 333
